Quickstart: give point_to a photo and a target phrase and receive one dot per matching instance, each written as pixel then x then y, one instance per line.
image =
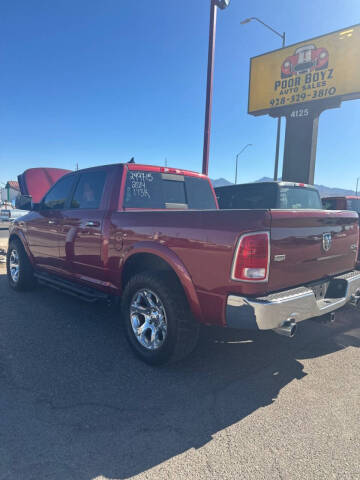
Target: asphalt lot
pixel 76 404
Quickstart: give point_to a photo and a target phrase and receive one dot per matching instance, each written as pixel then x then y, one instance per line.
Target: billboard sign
pixel 325 67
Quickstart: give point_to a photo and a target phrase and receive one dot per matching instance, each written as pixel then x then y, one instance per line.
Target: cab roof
pixel 37 181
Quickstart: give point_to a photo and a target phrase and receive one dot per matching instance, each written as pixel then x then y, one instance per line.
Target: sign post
pixel 301 142
pixel 299 82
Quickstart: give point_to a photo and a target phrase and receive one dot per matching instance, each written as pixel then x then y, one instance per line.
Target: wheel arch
pixel 19 236
pixel 160 258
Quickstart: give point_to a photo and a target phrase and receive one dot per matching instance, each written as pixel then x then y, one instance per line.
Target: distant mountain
pixel 264 179
pixel 333 192
pixel 221 182
pixel 323 189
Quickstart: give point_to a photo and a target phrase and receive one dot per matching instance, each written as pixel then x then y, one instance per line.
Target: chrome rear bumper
pixel 270 312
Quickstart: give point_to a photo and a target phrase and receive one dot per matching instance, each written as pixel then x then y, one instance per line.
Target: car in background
pixel 11 214
pixel 15 213
pixel 269 195
pixel 348 202
pixel 5 215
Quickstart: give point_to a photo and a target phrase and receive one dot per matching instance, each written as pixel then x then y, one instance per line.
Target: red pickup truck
pixel 154 238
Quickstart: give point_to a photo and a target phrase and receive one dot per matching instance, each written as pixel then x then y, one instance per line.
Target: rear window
pixel 252 196
pixel 299 198
pixel 174 190
pixel 267 196
pixel 353 204
pixel 155 190
pixel 329 204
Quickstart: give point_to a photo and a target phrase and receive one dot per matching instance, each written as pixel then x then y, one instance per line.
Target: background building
pixel 10 191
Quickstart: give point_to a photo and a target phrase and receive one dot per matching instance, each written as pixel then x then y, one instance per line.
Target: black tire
pixel 25 279
pixel 182 330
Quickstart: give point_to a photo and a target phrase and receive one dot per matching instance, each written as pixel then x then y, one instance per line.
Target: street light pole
pixel 209 87
pixel 283 37
pixel 214 4
pixel 357 184
pixel 236 162
pixel 277 150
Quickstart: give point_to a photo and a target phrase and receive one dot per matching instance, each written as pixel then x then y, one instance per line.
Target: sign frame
pixel 328 102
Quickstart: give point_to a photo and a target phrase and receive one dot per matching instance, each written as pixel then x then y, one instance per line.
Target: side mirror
pixel 24 202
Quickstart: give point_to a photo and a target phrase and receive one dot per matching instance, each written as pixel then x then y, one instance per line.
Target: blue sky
pixel 94 82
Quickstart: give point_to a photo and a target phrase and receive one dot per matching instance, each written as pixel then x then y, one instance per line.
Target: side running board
pixel 87 294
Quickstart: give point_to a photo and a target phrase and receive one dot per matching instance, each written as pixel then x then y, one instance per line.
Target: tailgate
pixel 310 245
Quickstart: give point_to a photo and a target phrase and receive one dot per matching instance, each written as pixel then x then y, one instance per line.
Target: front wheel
pixel 157 319
pixel 19 269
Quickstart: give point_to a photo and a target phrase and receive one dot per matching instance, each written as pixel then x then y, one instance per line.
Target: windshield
pixel 299 198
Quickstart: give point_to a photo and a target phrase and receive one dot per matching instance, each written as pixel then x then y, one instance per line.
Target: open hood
pixel 37 181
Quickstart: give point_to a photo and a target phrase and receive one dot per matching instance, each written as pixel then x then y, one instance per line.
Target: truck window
pixel 299 198
pixel 155 190
pixel 353 204
pixel 329 204
pixel 57 196
pixel 247 196
pixel 173 187
pixel 89 190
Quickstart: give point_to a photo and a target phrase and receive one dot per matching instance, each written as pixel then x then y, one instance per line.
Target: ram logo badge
pixel 327 241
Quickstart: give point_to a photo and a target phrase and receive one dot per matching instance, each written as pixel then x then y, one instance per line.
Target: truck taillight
pixel 251 261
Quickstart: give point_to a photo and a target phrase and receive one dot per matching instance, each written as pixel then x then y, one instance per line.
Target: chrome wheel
pixel 148 319
pixel 14 265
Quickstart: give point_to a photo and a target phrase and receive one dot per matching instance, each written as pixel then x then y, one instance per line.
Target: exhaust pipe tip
pixel 287 328
pixel 355 299
pixel 293 330
pixel 326 318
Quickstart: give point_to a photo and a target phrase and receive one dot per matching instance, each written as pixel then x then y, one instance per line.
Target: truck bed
pixel 204 243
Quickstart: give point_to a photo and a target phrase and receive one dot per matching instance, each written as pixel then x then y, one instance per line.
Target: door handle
pixel 92 224
pixel 51 222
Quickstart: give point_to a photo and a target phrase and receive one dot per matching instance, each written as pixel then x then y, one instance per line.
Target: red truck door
pixel 83 226
pixel 44 228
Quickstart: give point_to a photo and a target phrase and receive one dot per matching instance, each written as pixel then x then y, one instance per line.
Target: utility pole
pixel 214 5
pixel 236 161
pixel 283 37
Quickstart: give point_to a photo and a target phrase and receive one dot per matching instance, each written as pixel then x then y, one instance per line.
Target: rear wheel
pixel 19 269
pixel 157 319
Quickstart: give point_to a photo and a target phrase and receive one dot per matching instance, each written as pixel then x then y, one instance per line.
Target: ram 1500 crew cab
pixel 155 239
